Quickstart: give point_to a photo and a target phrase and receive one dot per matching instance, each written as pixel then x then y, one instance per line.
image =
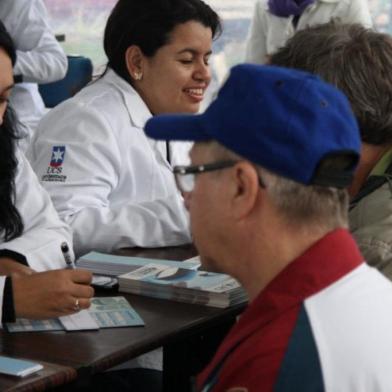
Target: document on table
pixel 27 325
pixel 104 312
pixel 79 321
pixel 111 312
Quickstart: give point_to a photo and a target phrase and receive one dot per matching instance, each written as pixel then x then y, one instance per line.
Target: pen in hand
pixel 67 256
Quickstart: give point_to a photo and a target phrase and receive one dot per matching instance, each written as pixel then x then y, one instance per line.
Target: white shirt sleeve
pixel 43 230
pixel 2 283
pixel 40 58
pixel 268 32
pixel 87 195
pixel 256 46
pixel 148 224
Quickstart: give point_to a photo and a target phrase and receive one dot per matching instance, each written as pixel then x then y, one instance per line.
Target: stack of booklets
pixel 184 285
pixel 111 265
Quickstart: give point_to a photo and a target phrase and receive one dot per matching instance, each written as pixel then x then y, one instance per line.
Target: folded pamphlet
pixel 104 312
pixel 18 367
pixel 80 321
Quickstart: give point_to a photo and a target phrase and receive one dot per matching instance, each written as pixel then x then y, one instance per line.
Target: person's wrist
pixel 8 310
pixel 15 256
pixel 10 267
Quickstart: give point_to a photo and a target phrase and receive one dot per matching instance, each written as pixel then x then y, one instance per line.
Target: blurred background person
pixel 275 21
pixel 40 59
pixel 358 61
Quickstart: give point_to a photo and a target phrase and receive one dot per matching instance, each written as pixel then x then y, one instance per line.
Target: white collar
pixel 137 109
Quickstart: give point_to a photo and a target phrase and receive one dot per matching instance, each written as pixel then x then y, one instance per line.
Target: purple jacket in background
pixel 285 8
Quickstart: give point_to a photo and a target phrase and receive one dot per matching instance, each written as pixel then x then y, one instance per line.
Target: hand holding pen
pixel 79 301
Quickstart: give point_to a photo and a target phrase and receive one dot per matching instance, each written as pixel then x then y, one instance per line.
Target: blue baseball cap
pixel 284 120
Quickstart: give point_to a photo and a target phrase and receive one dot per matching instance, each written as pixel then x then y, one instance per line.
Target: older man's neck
pixel 278 247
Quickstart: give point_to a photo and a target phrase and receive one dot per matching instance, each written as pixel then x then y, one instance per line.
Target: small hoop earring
pixel 138 75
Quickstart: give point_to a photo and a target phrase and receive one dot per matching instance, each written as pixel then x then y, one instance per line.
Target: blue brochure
pixel 18 367
pixel 106 312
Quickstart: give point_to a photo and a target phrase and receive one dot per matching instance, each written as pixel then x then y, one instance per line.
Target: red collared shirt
pixel 252 355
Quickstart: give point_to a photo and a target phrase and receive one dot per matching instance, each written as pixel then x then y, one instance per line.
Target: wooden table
pixel 49 377
pixel 182 329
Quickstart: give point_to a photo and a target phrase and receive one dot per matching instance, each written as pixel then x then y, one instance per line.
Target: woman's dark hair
pixel 11 225
pixel 148 24
pixel 6 43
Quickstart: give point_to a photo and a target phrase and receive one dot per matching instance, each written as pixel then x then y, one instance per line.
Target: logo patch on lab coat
pixel 54 172
pixel 58 155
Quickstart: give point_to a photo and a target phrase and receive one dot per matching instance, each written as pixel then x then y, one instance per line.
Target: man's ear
pixel 245 189
pixel 134 62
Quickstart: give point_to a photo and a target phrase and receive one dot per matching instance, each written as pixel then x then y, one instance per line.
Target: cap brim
pixel 176 127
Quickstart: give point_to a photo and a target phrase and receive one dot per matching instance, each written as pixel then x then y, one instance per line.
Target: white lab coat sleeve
pixel 358 12
pixel 43 230
pixel 40 58
pixel 91 169
pixel 156 223
pixel 2 283
pixel 256 46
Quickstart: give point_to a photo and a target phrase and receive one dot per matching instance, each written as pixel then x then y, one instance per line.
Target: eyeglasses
pixel 185 175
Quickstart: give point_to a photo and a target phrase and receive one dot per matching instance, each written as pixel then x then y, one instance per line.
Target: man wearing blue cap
pixel 266 194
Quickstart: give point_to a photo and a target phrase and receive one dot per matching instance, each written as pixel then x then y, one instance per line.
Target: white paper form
pixel 79 321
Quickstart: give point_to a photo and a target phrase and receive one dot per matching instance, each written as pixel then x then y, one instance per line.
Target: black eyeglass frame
pixel 207 167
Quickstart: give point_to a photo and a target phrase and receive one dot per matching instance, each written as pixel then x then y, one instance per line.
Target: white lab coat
pixel 112 184
pixel 43 230
pixel 268 32
pixel 40 58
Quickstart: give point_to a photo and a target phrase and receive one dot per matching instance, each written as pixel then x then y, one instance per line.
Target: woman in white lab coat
pixel 30 231
pixel 111 183
pixel 40 59
pixel 275 21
